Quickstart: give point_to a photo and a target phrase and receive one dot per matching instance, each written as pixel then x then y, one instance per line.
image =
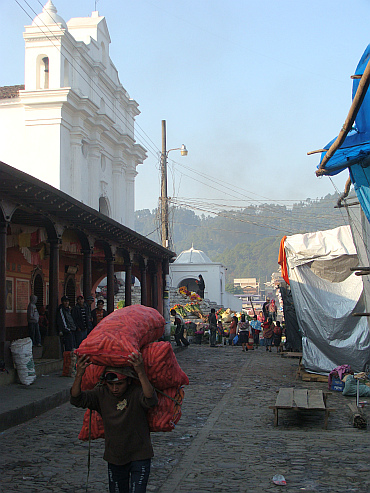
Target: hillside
pixel 245 240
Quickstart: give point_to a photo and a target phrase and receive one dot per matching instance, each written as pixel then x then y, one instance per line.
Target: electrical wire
pixel 242 214
pixel 227 186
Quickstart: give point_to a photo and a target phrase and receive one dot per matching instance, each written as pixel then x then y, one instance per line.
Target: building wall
pixel 77 130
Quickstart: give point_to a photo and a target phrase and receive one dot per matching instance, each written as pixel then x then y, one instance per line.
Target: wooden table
pixel 292 354
pixel 301 399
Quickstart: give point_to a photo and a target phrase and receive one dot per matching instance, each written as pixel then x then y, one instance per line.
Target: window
pixel 103 206
pixel 66 74
pixel 44 73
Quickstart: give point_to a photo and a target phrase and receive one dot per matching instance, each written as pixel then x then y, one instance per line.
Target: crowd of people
pixel 73 324
pixel 262 329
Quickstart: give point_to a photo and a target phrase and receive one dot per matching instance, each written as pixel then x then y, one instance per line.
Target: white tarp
pixel 325 294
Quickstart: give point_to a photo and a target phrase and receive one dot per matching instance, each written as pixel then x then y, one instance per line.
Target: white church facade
pixel 72 125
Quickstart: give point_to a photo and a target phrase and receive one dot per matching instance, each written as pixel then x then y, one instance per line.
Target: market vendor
pixel 180 327
pixel 123 408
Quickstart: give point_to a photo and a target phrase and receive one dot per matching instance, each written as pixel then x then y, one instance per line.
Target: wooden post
pixel 86 289
pixel 143 283
pixel 53 285
pixel 128 270
pixel 154 277
pixel 110 285
pixel 3 227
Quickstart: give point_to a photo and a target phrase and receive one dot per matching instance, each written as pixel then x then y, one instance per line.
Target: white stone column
pixel 75 178
pixel 119 192
pixel 130 197
pixel 94 174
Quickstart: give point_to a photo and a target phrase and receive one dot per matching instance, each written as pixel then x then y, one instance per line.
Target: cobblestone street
pixel 224 442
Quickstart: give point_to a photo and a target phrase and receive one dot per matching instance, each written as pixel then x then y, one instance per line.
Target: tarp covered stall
pixel 292 332
pixel 325 294
pixel 360 228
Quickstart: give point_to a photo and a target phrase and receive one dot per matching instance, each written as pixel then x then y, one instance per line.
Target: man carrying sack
pixel 123 407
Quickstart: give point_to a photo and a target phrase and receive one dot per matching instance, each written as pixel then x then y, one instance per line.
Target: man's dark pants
pixel 132 477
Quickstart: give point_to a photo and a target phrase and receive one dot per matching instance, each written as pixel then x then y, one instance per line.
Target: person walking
pixel 66 325
pixel 98 313
pixel 201 286
pixel 268 333
pixel 80 315
pixel 233 327
pixel 123 407
pixel 272 310
pixel 179 331
pixel 256 329
pixel 212 325
pixel 265 309
pixel 33 321
pixel 221 332
pixel 243 332
pixel 43 323
pixel 89 301
pixel 278 332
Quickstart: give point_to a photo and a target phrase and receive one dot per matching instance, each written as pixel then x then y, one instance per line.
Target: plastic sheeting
pixel 292 332
pixel 324 307
pixel 354 153
pixel 360 228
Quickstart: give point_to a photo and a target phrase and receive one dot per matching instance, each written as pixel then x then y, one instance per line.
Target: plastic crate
pixel 337 385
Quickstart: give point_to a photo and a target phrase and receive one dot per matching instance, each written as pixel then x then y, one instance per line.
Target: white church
pixel 73 118
pixel 184 271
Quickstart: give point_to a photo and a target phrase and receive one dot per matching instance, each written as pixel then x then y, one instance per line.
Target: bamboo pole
pixel 356 105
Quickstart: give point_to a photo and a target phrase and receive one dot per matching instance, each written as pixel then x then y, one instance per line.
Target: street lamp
pixel 164 198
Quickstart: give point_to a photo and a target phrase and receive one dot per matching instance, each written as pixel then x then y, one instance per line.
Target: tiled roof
pixel 8 92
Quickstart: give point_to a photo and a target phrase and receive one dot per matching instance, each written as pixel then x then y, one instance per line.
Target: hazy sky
pixel 248 87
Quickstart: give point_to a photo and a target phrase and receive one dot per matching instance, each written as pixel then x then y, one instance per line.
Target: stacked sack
pixel 134 328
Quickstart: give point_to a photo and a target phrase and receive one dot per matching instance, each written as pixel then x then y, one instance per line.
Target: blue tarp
pixel 354 153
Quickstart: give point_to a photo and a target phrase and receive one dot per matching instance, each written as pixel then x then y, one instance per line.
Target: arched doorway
pixel 189 283
pixel 70 291
pixel 38 290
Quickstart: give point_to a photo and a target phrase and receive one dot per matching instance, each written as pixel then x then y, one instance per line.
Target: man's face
pixel 100 306
pixel 118 388
pixel 81 301
pixel 66 303
pixel 89 302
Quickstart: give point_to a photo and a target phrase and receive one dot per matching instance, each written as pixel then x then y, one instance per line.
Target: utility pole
pixel 164 198
pixel 165 227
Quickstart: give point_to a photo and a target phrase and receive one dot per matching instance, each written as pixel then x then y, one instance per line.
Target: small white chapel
pixel 184 271
pixel 72 123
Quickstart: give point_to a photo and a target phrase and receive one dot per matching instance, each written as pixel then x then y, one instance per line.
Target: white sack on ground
pixel 325 294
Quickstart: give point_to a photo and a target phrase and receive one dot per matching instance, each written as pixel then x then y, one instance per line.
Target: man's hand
pixel 136 359
pixel 82 363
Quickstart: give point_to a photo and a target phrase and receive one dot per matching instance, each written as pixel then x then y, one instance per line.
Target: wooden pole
pixel 356 105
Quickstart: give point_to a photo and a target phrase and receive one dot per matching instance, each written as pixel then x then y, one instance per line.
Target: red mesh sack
pixel 97 427
pixel 161 366
pixel 162 417
pixel 66 364
pixel 69 364
pixel 91 377
pixel 120 333
pixel 167 413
